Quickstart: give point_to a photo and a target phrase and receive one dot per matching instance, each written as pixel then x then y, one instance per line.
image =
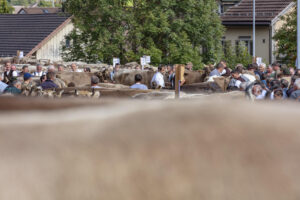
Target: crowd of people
pixel 274 82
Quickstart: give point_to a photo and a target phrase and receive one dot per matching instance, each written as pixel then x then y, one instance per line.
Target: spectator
pixel 292 71
pixel 238 79
pixel 226 72
pixel 278 94
pixel 259 92
pixel 270 72
pixel 49 84
pixel 60 68
pixel 39 71
pixel 171 77
pixel 27 84
pixel 14 69
pixel 25 69
pixel 51 68
pixel 260 71
pixel 158 78
pixel 189 66
pixel 43 78
pixel 296 93
pixel 3 85
pixel 9 75
pixel 87 69
pixel 113 73
pixel 218 70
pixel 94 82
pixel 138 85
pixel 14 89
pixel 74 68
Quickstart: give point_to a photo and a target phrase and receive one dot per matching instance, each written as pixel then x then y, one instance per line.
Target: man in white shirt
pixel 9 75
pixel 74 68
pixel 158 79
pixel 38 72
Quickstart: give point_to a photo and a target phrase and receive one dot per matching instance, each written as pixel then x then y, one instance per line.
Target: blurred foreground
pixel 215 148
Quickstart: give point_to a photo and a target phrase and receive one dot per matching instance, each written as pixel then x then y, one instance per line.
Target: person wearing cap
pixel 94 82
pixel 27 84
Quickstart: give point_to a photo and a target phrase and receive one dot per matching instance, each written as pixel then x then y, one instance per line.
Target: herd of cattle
pixel 79 84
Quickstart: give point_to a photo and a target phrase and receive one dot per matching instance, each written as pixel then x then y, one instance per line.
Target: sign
pixel 21 54
pixel 258 61
pixel 143 62
pixel 148 59
pixel 116 61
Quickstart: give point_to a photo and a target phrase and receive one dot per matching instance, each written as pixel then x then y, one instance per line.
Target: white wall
pixel 51 50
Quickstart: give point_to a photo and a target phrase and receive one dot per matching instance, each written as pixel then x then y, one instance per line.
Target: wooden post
pixel 179 76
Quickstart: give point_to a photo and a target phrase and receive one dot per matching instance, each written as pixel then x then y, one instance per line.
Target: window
pixel 246 40
pixel 68 43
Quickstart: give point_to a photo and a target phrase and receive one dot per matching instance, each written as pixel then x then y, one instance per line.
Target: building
pixel 224 5
pixel 36 35
pixel 238 21
pixel 38 10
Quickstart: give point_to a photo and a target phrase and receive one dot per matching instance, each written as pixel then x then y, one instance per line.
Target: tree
pixel 5 8
pixel 170 31
pixel 237 55
pixel 286 39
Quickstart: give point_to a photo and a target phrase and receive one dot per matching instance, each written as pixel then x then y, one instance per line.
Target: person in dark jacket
pixel 14 89
pixel 49 84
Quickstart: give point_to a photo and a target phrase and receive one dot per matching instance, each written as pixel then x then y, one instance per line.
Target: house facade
pixel 36 35
pixel 238 21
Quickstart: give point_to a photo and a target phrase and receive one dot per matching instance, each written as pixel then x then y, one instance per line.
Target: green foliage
pixel 170 31
pixel 22 2
pixel 236 55
pixel 286 39
pixel 47 4
pixel 5 8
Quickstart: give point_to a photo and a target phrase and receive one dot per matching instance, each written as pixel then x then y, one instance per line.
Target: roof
pixel 27 32
pixel 39 10
pixel 266 11
pixel 17 9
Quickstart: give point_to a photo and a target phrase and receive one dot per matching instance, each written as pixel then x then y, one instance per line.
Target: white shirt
pixel 158 78
pixel 96 87
pixel 39 74
pixel 14 74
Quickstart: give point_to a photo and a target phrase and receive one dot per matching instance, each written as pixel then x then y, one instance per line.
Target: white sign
pixel 148 59
pixel 143 62
pixel 258 61
pixel 116 61
pixel 21 54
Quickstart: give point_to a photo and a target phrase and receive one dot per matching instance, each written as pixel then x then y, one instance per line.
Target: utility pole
pixel 298 34
pixel 254 29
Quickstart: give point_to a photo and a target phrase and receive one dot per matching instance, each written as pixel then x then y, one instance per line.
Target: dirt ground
pixel 212 148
